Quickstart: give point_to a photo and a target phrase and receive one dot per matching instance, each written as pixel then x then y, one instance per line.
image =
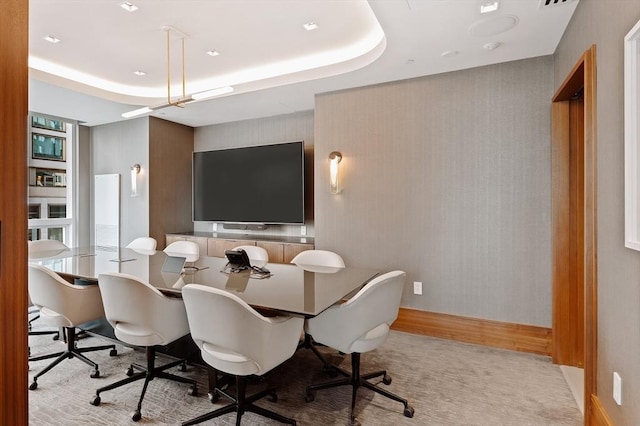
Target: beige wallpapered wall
pixel 448 178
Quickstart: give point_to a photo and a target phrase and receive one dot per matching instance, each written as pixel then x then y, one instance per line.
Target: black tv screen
pixel 256 184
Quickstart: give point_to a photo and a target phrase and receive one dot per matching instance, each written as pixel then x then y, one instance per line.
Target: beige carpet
pixel 447 383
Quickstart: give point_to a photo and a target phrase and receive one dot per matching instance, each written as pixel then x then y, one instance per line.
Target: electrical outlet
pixel 617 388
pixel 417 287
pixel 303 230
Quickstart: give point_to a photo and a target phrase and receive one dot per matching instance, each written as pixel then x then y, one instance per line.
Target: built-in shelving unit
pixel 281 249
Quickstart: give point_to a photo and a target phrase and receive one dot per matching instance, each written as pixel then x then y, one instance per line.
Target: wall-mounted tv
pixel 254 184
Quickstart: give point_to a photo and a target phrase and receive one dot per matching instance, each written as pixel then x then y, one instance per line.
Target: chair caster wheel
pixel 113 352
pixel 408 411
pixel 33 386
pixel 95 374
pixel 386 380
pixel 309 397
pixel 129 371
pixel 136 416
pixel 213 397
pixel 273 397
pixel 56 337
pixel 182 367
pixel 193 391
pixel 96 400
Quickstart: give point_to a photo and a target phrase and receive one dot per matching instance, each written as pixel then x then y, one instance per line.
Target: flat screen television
pixel 254 184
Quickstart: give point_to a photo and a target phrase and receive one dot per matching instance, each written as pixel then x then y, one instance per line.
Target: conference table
pixel 304 290
pixel 299 290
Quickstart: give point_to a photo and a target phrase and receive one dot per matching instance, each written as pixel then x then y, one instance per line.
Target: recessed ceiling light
pixel 52 39
pixel 213 53
pixel 448 53
pixel 310 26
pixel 129 7
pixel 489 7
pixel 139 72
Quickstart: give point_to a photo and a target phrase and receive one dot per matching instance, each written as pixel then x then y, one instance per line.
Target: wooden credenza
pixel 281 249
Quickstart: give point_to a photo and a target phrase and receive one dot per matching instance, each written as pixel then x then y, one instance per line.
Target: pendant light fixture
pixel 184 99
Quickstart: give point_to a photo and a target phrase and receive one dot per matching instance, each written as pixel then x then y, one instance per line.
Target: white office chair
pixel 236 339
pixel 66 305
pixel 361 324
pixel 323 261
pixel 146 244
pixel 41 249
pixel 187 249
pixel 257 255
pixel 318 261
pixel 142 316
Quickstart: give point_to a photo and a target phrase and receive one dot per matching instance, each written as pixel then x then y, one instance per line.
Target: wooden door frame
pixel 581 78
pixel 14 82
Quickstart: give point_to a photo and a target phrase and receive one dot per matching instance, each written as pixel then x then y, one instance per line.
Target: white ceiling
pixel 274 65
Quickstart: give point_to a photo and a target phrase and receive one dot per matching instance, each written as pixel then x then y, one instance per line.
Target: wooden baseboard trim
pixel 517 337
pixel 599 416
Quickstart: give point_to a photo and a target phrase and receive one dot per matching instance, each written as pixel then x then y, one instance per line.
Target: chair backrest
pixel 183 248
pixel 235 338
pixel 255 253
pixel 39 249
pixel 61 303
pixel 318 258
pixel 361 323
pixel 139 313
pixel 143 243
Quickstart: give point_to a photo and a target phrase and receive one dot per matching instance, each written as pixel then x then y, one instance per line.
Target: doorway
pixel 573 177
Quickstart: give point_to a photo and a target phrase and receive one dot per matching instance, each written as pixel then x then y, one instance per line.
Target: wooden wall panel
pixel 568 229
pixel 577 242
pixel 13 213
pixel 170 149
pixel 517 337
pixel 576 292
pixel 561 207
pixel 598 416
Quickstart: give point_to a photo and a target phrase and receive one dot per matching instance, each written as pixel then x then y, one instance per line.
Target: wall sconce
pixel 334 176
pixel 135 170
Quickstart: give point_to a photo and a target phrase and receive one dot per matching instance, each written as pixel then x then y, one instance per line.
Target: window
pixel 33 235
pixel 47 177
pixel 57 211
pixel 34 211
pixel 56 234
pixel 51 164
pixel 47 147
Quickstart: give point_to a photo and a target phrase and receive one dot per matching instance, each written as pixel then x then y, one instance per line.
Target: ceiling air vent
pixel 549 3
